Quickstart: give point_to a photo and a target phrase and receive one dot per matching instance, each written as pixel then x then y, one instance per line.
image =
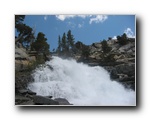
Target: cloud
pixel 71 24
pixel 115 37
pixel 93 18
pixel 129 33
pixel 80 25
pixel 45 17
pixel 63 17
pixel 98 18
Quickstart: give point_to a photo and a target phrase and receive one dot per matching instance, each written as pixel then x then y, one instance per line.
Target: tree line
pixel 26 37
pixel 65 43
pixel 67 46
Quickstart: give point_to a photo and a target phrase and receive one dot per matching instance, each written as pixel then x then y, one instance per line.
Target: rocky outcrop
pixel 27 97
pixel 120 61
pixel 22 57
pixel 22 79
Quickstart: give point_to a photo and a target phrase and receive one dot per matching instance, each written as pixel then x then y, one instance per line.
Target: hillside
pixel 119 61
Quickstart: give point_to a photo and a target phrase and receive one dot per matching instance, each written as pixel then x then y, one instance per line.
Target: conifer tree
pixel 70 39
pixel 40 45
pixel 59 44
pixel 64 43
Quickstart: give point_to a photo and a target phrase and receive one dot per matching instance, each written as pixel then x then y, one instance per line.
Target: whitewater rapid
pixel 80 84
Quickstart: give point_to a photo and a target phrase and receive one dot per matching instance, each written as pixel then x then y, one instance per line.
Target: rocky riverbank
pixel 27 97
pixel 119 61
pixel 25 62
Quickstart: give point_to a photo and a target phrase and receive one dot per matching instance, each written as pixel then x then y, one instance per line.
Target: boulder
pixel 62 101
pixel 127 46
pixel 41 100
pixel 23 58
pixel 19 99
pixel 128 69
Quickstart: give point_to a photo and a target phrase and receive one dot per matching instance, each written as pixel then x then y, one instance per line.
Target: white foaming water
pixel 80 84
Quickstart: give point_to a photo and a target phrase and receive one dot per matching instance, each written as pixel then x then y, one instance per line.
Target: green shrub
pixel 105 46
pixel 122 40
pixel 85 51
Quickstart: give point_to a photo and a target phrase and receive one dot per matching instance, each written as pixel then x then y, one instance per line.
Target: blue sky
pixel 85 28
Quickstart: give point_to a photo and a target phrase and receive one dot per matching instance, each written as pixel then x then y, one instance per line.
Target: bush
pixel 105 46
pixel 85 51
pixel 122 40
pixel 107 57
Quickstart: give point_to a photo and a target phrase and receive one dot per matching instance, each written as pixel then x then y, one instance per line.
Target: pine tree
pixel 105 46
pixel 70 40
pixel 59 44
pixel 64 43
pixel 123 40
pixel 40 44
pixel 25 32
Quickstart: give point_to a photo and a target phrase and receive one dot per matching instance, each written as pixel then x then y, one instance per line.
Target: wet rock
pixel 62 101
pixel 41 100
pixel 128 69
pixel 19 99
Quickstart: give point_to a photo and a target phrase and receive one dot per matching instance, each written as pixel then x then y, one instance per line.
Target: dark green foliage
pixel 70 39
pixel 105 46
pixel 109 38
pixel 122 40
pixel 40 45
pixel 59 45
pixel 79 45
pixel 19 19
pixel 64 43
pixel 85 51
pixel 26 35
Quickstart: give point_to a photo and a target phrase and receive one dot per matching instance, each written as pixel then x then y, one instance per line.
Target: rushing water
pixel 80 84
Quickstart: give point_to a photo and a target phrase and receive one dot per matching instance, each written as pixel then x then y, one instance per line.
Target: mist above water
pixel 80 84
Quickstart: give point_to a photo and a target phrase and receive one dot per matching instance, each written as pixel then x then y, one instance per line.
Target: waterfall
pixel 80 84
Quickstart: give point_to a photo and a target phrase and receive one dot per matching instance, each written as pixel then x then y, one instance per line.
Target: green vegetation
pixel 28 40
pixel 122 40
pixel 25 33
pixel 59 45
pixel 109 38
pixel 66 44
pixel 105 46
pixel 79 45
pixel 40 45
pixel 85 51
pixel 70 40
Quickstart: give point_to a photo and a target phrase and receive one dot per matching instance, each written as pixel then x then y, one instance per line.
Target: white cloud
pixel 129 33
pixel 115 37
pixel 45 17
pixel 93 18
pixel 81 25
pixel 71 24
pixel 98 18
pixel 84 16
pixel 63 17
